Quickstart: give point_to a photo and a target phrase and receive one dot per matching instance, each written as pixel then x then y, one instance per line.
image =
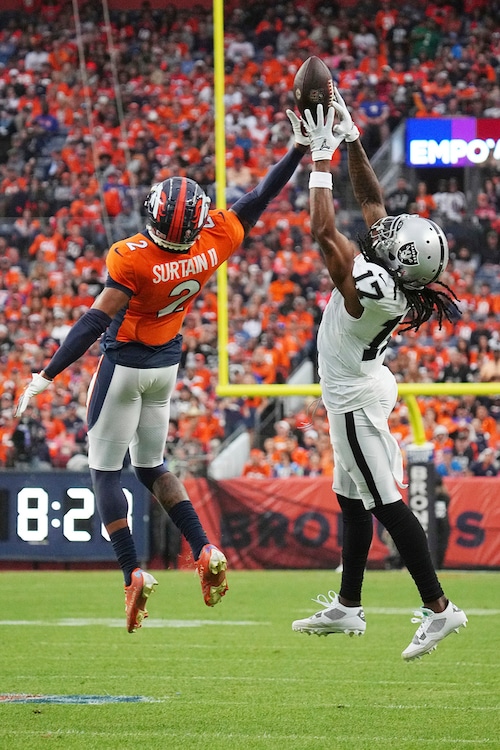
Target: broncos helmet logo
pixel 157 203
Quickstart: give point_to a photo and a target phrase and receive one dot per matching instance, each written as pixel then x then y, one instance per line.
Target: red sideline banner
pixel 474 515
pixel 295 523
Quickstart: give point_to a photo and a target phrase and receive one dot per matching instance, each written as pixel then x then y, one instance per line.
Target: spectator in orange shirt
pixel 285 257
pixel 297 453
pixel 84 181
pixel 88 262
pixel 10 273
pixel 400 429
pixel 12 182
pixel 30 100
pixel 197 374
pixel 280 287
pixel 426 108
pixel 48 243
pixel 60 53
pixel 278 353
pixel 208 428
pixel 326 455
pixel 113 192
pixel 305 318
pixel 443 90
pixel 483 68
pixel 348 74
pixel 373 61
pixel 291 340
pixel 52 424
pixel 196 424
pixel 89 213
pixel 257 467
pixel 385 18
pixel 62 295
pixel 270 66
pixel 208 307
pixel 77 156
pixel 61 272
pixel 279 441
pixel 263 367
pixel 425 204
pixel 82 298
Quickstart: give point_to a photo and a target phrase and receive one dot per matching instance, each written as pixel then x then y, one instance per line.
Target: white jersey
pixel 351 350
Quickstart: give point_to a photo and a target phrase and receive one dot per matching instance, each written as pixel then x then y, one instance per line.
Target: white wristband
pixel 321 180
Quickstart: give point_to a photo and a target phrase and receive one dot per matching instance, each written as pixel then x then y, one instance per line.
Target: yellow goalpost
pixel 408 391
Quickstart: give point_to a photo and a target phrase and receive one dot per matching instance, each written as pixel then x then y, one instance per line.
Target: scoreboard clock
pixel 53 516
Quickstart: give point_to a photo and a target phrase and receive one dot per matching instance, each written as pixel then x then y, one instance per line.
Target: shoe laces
pixel 421 615
pixel 326 600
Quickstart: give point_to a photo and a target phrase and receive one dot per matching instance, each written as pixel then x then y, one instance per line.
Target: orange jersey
pixel 164 284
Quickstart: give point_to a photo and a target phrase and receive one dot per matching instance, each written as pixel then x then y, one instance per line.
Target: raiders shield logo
pixel 408 255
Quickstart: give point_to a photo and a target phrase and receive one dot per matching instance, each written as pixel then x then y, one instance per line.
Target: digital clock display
pixel 53 516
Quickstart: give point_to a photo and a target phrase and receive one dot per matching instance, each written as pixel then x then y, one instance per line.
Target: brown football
pixel 313 85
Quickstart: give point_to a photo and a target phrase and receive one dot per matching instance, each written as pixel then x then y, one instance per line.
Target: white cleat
pixel 334 618
pixel 434 626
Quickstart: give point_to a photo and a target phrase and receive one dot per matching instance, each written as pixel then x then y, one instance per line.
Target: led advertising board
pixel 457 142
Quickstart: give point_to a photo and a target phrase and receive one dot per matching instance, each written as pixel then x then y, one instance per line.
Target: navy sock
pixel 110 498
pixel 186 519
pixel 124 547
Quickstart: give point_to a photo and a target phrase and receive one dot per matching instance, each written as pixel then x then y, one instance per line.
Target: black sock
pixel 357 533
pixel 186 519
pixel 411 541
pixel 124 547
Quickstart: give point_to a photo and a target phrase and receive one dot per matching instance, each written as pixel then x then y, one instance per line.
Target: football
pixel 313 85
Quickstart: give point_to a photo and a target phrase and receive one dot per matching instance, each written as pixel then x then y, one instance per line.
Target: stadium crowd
pixel 86 129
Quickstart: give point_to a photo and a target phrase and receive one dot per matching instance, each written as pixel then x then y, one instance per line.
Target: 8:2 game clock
pixel 52 516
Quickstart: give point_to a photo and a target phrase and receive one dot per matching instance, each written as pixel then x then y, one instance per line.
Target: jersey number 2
pixel 182 293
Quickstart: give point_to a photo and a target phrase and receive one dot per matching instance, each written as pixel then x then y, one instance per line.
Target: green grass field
pixel 236 677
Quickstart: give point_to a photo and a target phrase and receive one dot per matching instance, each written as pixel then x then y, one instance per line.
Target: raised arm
pixel 337 249
pixel 365 184
pixel 364 181
pixel 250 206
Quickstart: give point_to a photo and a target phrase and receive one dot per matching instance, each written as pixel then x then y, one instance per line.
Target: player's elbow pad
pixel 83 334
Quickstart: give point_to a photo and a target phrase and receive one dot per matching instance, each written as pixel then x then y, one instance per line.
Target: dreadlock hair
pixel 423 302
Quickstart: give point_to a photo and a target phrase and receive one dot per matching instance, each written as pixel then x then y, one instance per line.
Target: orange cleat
pixel 211 566
pixel 136 596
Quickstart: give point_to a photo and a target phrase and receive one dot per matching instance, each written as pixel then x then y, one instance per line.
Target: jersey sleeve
pixel 120 267
pixel 377 292
pixel 227 231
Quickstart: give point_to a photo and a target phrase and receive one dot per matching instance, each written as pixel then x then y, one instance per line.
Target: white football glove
pixel 299 134
pixel 324 142
pixel 38 385
pixel 345 128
